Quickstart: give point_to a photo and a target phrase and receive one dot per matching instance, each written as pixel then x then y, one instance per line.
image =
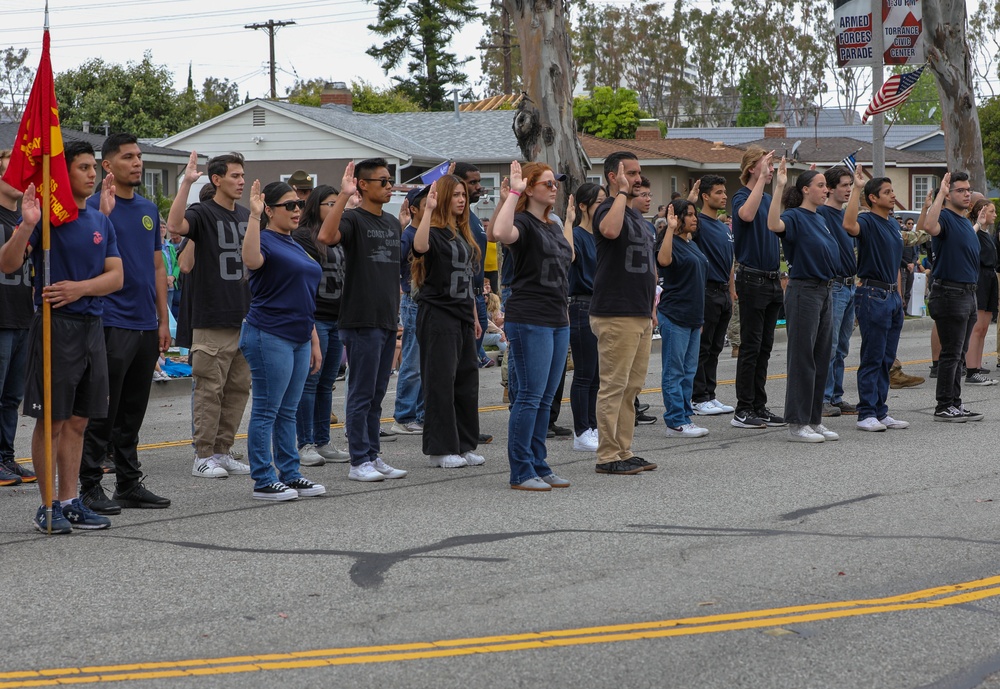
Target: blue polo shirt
pixel 283 290
pixel 847 263
pixel 956 249
pixel 683 281
pixel 810 248
pixel 581 272
pixel 716 242
pixel 756 246
pixel 880 248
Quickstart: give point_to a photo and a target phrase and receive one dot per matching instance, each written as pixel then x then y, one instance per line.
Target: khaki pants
pixel 623 358
pixel 221 388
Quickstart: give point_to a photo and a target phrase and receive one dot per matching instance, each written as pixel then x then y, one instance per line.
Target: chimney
pixel 648 130
pixel 337 93
pixel 775 130
pixel 86 127
pixel 718 146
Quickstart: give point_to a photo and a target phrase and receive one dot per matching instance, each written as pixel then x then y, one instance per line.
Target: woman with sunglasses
pixel 537 323
pixel 316 405
pixel 444 253
pixel 278 339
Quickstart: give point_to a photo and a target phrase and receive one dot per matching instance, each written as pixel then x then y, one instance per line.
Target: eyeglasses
pixel 963 190
pixel 551 184
pixel 384 181
pixel 289 205
pixel 644 195
pixel 328 204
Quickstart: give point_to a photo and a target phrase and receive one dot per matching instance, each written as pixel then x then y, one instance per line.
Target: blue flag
pixel 435 173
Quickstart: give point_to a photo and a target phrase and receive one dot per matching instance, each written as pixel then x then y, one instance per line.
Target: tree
pixel 306 92
pixel 422 30
pixel 756 104
pixel 989 120
pixel 371 99
pixel 608 113
pixel 922 107
pixel 597 49
pixel 948 57
pixel 500 53
pixel 715 99
pixel 15 83
pixel 217 97
pixel 984 40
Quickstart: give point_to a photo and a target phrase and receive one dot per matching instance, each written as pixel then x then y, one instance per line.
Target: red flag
pixel 39 134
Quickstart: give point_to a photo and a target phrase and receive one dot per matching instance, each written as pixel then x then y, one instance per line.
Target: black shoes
pixel 139 497
pixel 747 419
pixel 485 438
pixel 98 501
pixel 639 461
pixel 641 408
pixel 625 467
pixel 558 432
pixel 771 419
pixel 642 419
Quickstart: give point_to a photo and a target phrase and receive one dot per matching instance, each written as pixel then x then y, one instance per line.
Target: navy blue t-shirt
pixel 756 246
pixel 956 249
pixel 283 290
pixel 847 263
pixel 479 234
pixel 809 246
pixel 78 251
pixel 716 242
pixel 137 228
pixel 880 248
pixel 581 273
pixel 406 258
pixel 683 283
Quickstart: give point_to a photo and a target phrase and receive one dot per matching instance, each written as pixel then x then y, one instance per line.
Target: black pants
pixel 132 358
pixel 718 311
pixel 810 338
pixel 557 398
pixel 954 312
pixel 586 373
pixel 760 300
pixel 449 373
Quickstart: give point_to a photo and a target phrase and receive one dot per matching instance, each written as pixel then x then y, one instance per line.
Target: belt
pixel 848 280
pixel 970 286
pixel 770 274
pixel 584 298
pixel 814 281
pixel 865 282
pixel 717 286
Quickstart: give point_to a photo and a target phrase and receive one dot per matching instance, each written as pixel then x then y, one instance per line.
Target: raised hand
pixel 451 168
pixel 624 186
pixel 984 214
pixel 693 194
pixel 354 201
pixel 672 221
pixel 516 182
pixel 31 209
pixel 108 194
pixel 782 179
pixel 404 213
pixel 764 163
pixel 504 189
pixel 256 199
pixel 859 177
pixel 191 173
pixel 571 211
pixel 432 199
pixel 946 184
pixel 349 185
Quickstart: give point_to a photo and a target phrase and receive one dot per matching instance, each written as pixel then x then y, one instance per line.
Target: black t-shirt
pixel 371 273
pixel 16 305
pixel 987 252
pixel 716 243
pixel 541 257
pixel 756 246
pixel 219 290
pixel 479 234
pixel 880 248
pixel 625 277
pixel 847 263
pixel 450 275
pixel 331 286
pixel 956 249
pixel 810 248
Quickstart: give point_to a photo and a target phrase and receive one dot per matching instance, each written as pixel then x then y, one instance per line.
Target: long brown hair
pixel 531 173
pixel 977 208
pixel 443 219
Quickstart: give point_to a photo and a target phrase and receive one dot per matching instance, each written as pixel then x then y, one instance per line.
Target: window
pixel 922 185
pixel 153 181
pixel 596 179
pixel 673 184
pixel 490 195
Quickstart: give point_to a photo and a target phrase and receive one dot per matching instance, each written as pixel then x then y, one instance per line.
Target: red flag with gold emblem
pixel 39 134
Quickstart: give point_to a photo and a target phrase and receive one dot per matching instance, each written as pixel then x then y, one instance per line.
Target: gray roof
pixel 8 133
pixel 833 149
pixel 733 136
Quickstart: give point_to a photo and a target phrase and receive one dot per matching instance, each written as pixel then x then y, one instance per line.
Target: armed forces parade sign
pixel 901 26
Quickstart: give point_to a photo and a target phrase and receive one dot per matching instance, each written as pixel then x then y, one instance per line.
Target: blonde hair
pixel 750 158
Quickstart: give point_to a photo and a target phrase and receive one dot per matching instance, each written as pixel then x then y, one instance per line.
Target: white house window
pixel 490 195
pixel 922 185
pixel 153 181
pixel 673 184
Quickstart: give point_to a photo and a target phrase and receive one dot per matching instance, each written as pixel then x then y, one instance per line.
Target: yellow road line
pixel 932 598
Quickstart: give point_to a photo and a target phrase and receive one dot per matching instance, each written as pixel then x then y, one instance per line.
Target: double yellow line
pixel 938 597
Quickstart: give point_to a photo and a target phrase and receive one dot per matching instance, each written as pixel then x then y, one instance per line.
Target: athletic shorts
pixel 79 368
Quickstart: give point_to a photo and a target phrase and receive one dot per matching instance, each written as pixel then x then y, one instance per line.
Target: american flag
pixel 894 91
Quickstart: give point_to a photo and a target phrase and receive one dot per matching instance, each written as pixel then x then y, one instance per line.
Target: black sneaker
pixel 640 462
pixel 985 371
pixel 306 488
pixel 275 491
pixel 641 408
pixel 139 497
pixel 26 474
pixel 951 414
pixel 96 499
pixel 934 370
pixel 747 419
pixel 559 431
pixel 485 438
pixel 386 437
pixel 622 468
pixel 644 420
pixel 970 415
pixel 770 418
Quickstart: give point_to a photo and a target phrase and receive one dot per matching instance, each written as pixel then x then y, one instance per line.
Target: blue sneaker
pixel 82 517
pixel 59 522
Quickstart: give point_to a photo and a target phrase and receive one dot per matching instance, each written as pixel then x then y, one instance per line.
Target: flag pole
pixel 47 311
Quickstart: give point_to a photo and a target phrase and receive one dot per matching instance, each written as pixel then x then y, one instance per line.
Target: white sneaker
pixel 870 424
pixel 231 464
pixel 448 461
pixel 364 472
pixel 890 422
pixel 473 459
pixel 706 409
pixel 387 471
pixel 595 436
pixel 688 430
pixel 585 442
pixel 208 467
pixel 726 409
pixel 798 433
pixel 412 428
pixel 332 454
pixel 825 432
pixel 308 457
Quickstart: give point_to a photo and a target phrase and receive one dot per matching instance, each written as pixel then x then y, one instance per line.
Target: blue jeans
pixel 13 363
pixel 278 370
pixel 483 322
pixel 880 319
pixel 842 319
pixel 409 393
pixel 493 340
pixel 537 358
pixel 370 352
pixel 312 421
pixel 679 346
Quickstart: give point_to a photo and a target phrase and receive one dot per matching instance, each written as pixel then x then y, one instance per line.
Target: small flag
pixel 40 134
pixel 850 163
pixel 894 92
pixel 436 173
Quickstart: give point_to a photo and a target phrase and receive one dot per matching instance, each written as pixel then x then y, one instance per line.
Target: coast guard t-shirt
pixel 16 306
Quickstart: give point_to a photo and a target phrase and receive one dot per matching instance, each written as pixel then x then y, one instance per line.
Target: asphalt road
pixel 743 561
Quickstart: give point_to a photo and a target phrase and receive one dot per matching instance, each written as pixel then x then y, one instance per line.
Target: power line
pixel 271 27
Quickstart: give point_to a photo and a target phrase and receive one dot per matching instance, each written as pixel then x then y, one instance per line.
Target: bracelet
pixel 515 193
pixel 255 217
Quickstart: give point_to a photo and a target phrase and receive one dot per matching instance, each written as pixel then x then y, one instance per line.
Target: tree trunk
pixel 950 60
pixel 544 125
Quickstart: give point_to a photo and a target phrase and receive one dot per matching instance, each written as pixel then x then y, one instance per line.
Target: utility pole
pixel 505 50
pixel 271 26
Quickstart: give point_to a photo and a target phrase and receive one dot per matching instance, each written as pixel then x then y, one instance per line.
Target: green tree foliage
pixel 15 82
pixel 419 33
pixel 608 113
pixel 371 99
pixel 989 123
pixel 217 97
pixel 491 48
pixel 756 104
pixel 306 92
pixel 923 106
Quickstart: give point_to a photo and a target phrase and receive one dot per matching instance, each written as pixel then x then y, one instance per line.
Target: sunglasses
pixel 290 205
pixel 548 183
pixel 384 181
